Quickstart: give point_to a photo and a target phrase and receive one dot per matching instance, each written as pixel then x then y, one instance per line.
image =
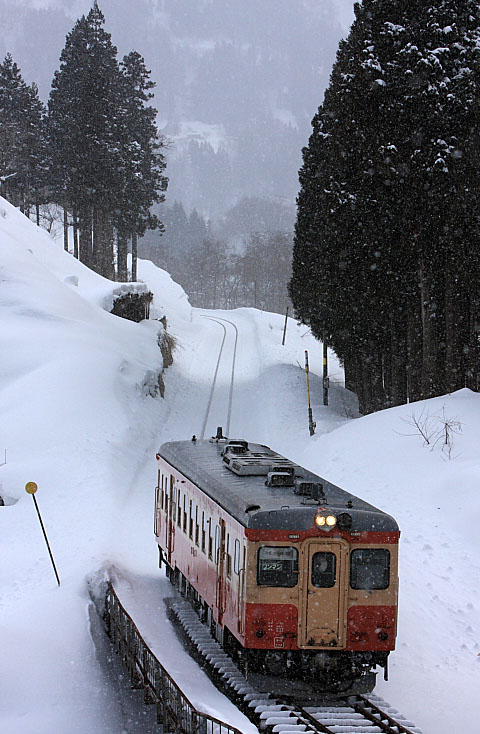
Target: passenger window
pixel 236 557
pixel 210 539
pixel 190 524
pixel 229 555
pixel 217 544
pixel 277 566
pixel 324 570
pixel 197 526
pixel 370 568
pixel 204 531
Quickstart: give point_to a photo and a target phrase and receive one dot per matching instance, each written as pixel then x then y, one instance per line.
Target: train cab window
pixel 277 566
pixel 236 557
pixel 324 570
pixel 370 568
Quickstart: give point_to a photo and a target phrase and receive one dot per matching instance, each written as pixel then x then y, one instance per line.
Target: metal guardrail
pixel 175 713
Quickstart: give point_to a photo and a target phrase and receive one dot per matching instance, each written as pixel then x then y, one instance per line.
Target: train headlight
pixel 326 522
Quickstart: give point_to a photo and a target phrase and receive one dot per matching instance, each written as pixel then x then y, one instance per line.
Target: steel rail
pixel 220 321
pixel 212 390
pixel 274 714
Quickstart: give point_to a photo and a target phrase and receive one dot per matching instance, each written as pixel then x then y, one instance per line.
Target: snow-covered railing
pixel 175 713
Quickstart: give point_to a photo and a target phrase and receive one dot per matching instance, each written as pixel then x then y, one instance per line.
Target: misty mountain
pixel 238 82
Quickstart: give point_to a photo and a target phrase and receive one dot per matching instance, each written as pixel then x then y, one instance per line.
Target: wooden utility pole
pixel 326 381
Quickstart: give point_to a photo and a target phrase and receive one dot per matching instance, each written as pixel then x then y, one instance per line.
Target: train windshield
pixel 370 568
pixel 324 570
pixel 277 566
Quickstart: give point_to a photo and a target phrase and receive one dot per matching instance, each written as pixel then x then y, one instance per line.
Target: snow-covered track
pixel 350 715
pixel 221 322
pixel 175 713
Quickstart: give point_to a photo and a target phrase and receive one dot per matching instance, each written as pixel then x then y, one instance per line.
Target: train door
pixel 171 510
pixel 324 576
pixel 220 533
pixel 239 563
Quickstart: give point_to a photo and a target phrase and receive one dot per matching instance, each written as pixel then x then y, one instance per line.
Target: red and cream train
pixel 296 577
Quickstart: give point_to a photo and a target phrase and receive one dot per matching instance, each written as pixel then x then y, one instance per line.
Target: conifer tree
pixel 85 130
pixel 23 149
pixel 387 232
pixel 143 160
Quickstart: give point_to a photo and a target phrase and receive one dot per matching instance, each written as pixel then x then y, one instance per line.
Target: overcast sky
pixel 76 8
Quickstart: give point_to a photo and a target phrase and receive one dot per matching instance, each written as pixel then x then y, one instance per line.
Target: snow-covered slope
pixel 76 417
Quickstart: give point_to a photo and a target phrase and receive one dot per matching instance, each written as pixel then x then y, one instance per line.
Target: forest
pixel 386 248
pixel 95 152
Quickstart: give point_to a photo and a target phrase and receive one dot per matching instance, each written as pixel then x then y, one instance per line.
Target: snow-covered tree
pixel 143 160
pixel 23 149
pixel 387 234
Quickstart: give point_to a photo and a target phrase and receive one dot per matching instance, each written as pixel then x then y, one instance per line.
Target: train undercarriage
pixel 300 673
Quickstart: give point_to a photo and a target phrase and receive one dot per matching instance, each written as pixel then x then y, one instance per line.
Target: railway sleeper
pixel 353 715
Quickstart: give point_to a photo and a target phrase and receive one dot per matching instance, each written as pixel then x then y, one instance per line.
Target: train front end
pixel 321 593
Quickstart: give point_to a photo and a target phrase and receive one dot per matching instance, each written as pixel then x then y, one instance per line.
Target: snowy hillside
pixel 78 419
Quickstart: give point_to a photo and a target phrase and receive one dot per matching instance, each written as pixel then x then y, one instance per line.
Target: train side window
pixel 184 513
pixel 236 557
pixel 179 517
pixel 217 544
pixel 277 566
pixel 173 496
pixel 204 531
pixel 324 570
pixel 229 555
pixel 190 526
pixel 370 568
pixel 210 540
pixel 197 526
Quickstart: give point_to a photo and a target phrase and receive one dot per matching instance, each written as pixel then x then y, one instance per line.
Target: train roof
pixel 253 502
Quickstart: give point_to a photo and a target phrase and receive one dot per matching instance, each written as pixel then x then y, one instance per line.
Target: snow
pixel 201 132
pixel 77 419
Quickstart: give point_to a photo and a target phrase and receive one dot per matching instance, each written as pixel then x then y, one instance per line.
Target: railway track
pixel 280 715
pixel 221 322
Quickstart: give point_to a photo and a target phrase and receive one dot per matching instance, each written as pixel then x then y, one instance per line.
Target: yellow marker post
pixel 311 422
pixel 31 488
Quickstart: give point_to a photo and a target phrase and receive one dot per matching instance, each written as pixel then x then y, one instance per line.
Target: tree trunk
pixel 65 229
pixel 85 225
pixel 134 255
pixel 103 245
pixel 430 341
pixel 398 364
pixel 122 256
pixel 75 235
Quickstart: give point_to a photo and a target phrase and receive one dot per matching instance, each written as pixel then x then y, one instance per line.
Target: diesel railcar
pixel 296 577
